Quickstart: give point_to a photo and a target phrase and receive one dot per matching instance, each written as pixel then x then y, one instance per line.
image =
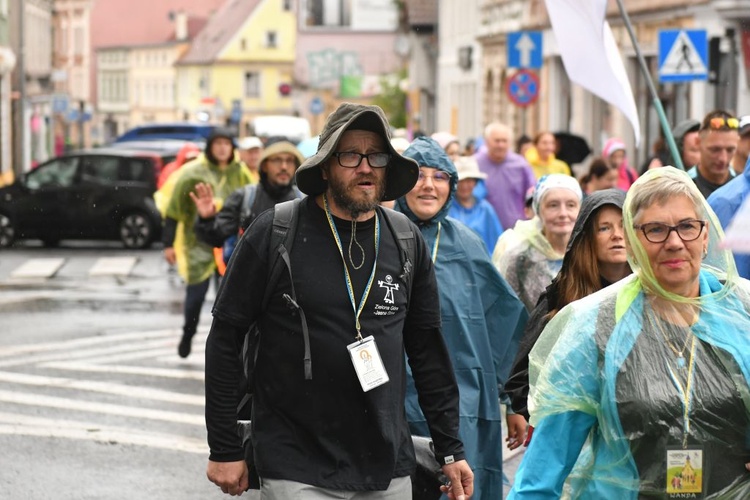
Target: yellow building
pixel 241 64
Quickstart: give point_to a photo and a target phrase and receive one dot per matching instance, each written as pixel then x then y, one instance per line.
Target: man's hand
pixel 170 256
pixel 231 477
pixel 203 197
pixel 461 480
pixel 516 430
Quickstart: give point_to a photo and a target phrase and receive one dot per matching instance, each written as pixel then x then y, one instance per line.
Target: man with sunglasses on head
pixel 718 142
pixel 340 429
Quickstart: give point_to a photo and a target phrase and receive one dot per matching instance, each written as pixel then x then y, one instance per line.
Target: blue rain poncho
pixel 611 374
pixel 482 322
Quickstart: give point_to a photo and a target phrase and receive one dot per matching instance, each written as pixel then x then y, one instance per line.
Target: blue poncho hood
pixel 428 153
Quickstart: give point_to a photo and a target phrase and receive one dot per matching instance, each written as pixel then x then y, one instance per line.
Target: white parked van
pixel 293 127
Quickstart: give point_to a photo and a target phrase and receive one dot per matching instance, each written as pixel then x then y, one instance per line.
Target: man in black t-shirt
pixel 344 428
pixel 718 143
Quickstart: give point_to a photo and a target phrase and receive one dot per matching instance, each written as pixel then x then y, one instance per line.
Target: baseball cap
pixel 250 142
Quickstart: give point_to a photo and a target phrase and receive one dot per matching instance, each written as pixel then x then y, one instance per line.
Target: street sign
pixel 683 55
pixel 525 49
pixel 60 104
pixel 523 88
pixel 236 113
pixel 316 106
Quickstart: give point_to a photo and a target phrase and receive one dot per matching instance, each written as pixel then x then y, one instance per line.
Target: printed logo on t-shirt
pixel 388 287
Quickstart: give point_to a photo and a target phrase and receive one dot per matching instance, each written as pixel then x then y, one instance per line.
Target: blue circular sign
pixel 316 106
pixel 523 88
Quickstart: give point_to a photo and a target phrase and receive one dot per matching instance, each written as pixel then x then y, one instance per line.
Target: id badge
pixel 367 363
pixel 685 471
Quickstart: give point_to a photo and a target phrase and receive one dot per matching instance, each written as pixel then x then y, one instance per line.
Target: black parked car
pixel 104 194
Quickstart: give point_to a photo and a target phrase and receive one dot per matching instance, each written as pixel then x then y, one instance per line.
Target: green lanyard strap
pixel 347 277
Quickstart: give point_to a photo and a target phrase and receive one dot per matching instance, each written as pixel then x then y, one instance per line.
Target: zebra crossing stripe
pixel 138 392
pixel 41 400
pixel 113 266
pixel 38 268
pixel 28 425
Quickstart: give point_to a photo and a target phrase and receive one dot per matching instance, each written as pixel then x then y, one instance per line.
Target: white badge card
pixel 367 363
pixel 685 472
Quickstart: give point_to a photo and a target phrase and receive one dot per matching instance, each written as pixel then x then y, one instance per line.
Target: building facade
pixel 344 49
pixel 31 82
pixel 563 106
pixel 240 65
pixel 7 63
pixel 71 57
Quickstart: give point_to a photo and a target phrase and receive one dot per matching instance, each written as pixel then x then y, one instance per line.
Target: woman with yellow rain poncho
pixel 220 167
pixel 641 389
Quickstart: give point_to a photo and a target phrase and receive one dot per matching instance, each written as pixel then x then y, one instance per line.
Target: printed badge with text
pixel 685 472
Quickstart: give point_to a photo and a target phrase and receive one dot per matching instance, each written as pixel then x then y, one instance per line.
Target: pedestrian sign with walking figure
pixel 683 55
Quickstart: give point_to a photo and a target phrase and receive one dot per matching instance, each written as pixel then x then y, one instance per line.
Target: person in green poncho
pixel 221 168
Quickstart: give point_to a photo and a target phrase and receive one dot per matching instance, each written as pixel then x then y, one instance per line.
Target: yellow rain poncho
pixel 637 392
pixel 195 260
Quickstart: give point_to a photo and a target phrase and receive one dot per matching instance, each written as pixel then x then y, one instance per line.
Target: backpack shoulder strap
pixel 248 198
pixel 284 229
pixel 285 218
pixel 406 239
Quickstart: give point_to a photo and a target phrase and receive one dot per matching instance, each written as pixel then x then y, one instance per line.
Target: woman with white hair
pixel 531 255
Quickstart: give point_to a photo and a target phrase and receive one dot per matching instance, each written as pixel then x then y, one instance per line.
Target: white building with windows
pixel 563 106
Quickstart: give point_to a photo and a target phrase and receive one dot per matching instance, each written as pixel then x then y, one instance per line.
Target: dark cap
pixel 401 173
pixel 684 127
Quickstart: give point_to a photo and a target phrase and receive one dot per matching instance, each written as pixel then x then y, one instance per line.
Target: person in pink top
pixel 616 157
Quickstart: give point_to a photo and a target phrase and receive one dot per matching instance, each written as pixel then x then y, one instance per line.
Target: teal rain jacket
pixel 483 321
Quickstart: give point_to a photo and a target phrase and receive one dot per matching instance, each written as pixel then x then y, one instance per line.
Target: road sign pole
pixel 654 96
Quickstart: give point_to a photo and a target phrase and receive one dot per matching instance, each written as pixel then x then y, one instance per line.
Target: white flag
pixel 590 54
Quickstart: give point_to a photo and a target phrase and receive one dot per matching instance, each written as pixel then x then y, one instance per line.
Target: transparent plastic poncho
pixel 527 261
pixel 614 358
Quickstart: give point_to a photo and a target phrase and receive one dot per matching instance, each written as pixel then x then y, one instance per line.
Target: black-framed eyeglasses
pixel 658 232
pixel 352 160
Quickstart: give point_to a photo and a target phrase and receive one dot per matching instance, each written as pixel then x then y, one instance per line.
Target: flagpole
pixel 652 90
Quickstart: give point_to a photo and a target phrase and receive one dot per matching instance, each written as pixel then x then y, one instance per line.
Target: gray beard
pixel 340 195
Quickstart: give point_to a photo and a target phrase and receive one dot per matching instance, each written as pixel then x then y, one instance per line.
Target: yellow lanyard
pixel 686 393
pixel 347 277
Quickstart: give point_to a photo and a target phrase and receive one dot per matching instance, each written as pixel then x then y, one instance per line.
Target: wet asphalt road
pixel 94 402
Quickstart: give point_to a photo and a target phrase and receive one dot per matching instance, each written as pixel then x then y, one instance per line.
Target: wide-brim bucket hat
pixel 401 172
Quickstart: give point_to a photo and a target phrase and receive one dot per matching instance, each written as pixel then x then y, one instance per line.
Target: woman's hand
pixel 204 200
pixel 516 430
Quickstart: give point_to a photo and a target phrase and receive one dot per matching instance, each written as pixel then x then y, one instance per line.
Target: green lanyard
pixel 347 277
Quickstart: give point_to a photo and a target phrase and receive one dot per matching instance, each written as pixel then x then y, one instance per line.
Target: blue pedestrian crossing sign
pixel 683 55
pixel 525 49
